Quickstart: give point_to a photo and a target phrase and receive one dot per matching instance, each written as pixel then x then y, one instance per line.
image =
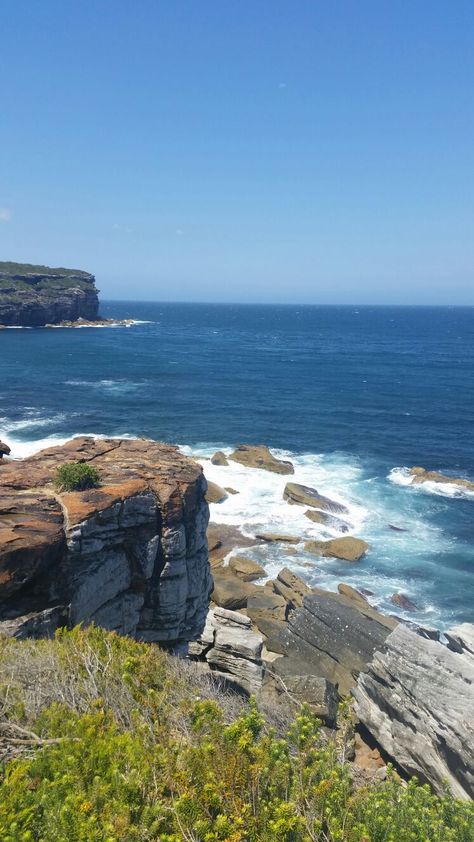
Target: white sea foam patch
pixel 111 386
pixel 21 449
pixel 402 476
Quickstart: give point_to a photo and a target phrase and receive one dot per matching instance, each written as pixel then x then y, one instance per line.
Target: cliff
pixel 130 555
pixel 33 296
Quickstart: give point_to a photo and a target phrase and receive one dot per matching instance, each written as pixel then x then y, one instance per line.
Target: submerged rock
pixel 259 456
pixel 347 548
pixel 417 700
pixel 403 601
pixel 326 519
pixel 304 495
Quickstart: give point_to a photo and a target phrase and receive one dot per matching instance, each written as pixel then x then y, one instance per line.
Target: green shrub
pixel 76 476
pixel 127 752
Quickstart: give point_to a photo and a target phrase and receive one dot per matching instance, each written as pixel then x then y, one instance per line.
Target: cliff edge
pixel 33 296
pixel 130 555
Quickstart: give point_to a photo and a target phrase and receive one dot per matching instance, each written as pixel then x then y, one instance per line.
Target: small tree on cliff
pixel 76 476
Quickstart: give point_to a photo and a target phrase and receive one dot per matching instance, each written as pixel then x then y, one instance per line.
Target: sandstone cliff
pixel 130 555
pixel 33 296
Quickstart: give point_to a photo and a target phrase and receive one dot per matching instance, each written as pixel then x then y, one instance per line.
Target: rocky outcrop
pixel 420 475
pixel 332 636
pixel 229 590
pixel 231 649
pixel 326 519
pixel 246 568
pixel 221 539
pixel 417 700
pixel 347 548
pixel 304 495
pixel 259 456
pixel 33 296
pixel 130 555
pixel 219 458
pixel 277 537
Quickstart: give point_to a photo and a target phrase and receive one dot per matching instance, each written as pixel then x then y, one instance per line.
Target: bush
pixel 132 750
pixel 76 476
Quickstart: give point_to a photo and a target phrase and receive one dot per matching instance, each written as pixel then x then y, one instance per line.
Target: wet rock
pixel 222 539
pixel 219 458
pixel 403 601
pixel 246 568
pixel 347 548
pixel 282 537
pixel 416 699
pixel 259 456
pixel 304 495
pixel 231 490
pixel 214 493
pixel 326 519
pixel 421 475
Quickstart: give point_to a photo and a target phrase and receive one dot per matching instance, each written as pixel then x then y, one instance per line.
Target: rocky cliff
pixel 130 555
pixel 33 296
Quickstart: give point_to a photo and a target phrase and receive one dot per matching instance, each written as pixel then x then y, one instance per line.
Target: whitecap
pixel 403 476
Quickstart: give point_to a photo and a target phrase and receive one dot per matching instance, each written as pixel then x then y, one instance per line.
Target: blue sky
pixel 309 152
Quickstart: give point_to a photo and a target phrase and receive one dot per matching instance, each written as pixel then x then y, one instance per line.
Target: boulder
pixel 330 636
pixel 421 475
pixel 214 493
pixel 326 519
pixel 276 537
pixel 231 490
pixel 259 456
pixel 403 601
pixel 4 449
pixel 304 495
pixel 291 587
pixel 416 699
pixel 230 591
pixel 246 568
pixel 347 548
pixel 219 458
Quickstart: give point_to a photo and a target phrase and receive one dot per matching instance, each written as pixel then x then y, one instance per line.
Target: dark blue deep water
pixel 352 393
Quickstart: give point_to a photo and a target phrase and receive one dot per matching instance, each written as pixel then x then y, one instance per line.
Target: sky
pixel 309 151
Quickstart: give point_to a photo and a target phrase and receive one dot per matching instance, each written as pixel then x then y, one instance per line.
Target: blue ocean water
pixel 349 393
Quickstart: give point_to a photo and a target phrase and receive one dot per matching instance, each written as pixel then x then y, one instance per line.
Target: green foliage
pixel 76 476
pixel 117 764
pixel 27 276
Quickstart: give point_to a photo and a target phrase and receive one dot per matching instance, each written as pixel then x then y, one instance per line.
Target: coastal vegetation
pixel 105 739
pixel 76 476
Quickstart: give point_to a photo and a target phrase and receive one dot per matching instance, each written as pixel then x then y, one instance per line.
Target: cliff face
pixel 130 555
pixel 33 296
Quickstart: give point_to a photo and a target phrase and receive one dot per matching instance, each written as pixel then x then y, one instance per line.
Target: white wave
pixel 402 476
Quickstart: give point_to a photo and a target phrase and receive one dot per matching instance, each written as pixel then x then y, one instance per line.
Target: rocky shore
pixel 136 555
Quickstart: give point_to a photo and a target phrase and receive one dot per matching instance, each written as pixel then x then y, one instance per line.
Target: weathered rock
pixel 230 591
pixel 214 493
pixel 246 568
pixel 291 587
pixel 4 449
pixel 304 495
pixel 326 519
pixel 317 692
pixel 273 631
pixel 259 456
pixel 355 596
pixel 130 555
pixel 231 649
pixel 403 601
pixel 36 295
pixel 277 537
pixel 416 698
pixel 461 639
pixel 267 605
pixel 347 548
pixel 421 475
pixel 219 458
pixel 332 637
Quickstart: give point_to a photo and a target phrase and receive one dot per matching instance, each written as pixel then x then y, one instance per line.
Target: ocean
pixel 352 395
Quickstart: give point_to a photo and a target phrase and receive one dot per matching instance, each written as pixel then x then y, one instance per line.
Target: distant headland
pixel 41 296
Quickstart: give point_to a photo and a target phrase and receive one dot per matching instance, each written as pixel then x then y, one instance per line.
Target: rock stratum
pixel 130 555
pixel 33 296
